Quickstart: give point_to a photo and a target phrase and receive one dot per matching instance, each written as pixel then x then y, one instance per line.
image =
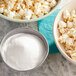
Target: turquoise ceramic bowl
pixel 32 20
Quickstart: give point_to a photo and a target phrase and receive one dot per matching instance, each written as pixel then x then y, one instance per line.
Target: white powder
pixel 23 51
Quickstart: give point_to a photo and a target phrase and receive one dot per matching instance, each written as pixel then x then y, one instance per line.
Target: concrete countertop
pixel 55 64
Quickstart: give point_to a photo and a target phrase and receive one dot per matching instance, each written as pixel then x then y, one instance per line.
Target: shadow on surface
pixel 53 48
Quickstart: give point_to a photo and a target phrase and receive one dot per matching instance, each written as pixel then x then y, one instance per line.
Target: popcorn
pixel 37 8
pixel 74 34
pixel 45 9
pixel 67 30
pixel 62 30
pixel 69 24
pixel 62 39
pixel 69 41
pixel 10 5
pixel 49 0
pixel 68 52
pixel 28 14
pixel 74 21
pixel 17 8
pixel 34 16
pixel 73 55
pixel 66 15
pixel 62 24
pixel 17 16
pixel 1 10
pixel 11 14
pixel 23 6
pixel 21 12
pixel 53 3
pixel 73 13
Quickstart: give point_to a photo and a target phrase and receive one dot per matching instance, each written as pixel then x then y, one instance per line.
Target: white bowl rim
pixel 56 41
pixel 32 20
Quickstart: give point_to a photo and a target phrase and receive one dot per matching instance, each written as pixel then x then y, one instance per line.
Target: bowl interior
pixel 32 20
pixel 70 6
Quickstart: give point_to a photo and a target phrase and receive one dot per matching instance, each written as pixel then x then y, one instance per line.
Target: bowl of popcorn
pixel 27 10
pixel 64 31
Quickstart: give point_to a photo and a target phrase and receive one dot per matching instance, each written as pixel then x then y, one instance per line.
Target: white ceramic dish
pixel 70 6
pixel 32 20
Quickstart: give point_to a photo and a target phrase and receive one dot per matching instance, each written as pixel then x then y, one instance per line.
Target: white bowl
pixel 70 6
pixel 32 20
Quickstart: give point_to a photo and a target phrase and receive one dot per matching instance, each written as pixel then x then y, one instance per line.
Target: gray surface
pixel 55 64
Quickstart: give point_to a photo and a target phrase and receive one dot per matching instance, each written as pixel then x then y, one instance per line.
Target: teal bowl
pixel 32 20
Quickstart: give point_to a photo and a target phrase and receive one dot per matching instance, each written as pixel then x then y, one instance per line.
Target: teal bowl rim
pixel 32 20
